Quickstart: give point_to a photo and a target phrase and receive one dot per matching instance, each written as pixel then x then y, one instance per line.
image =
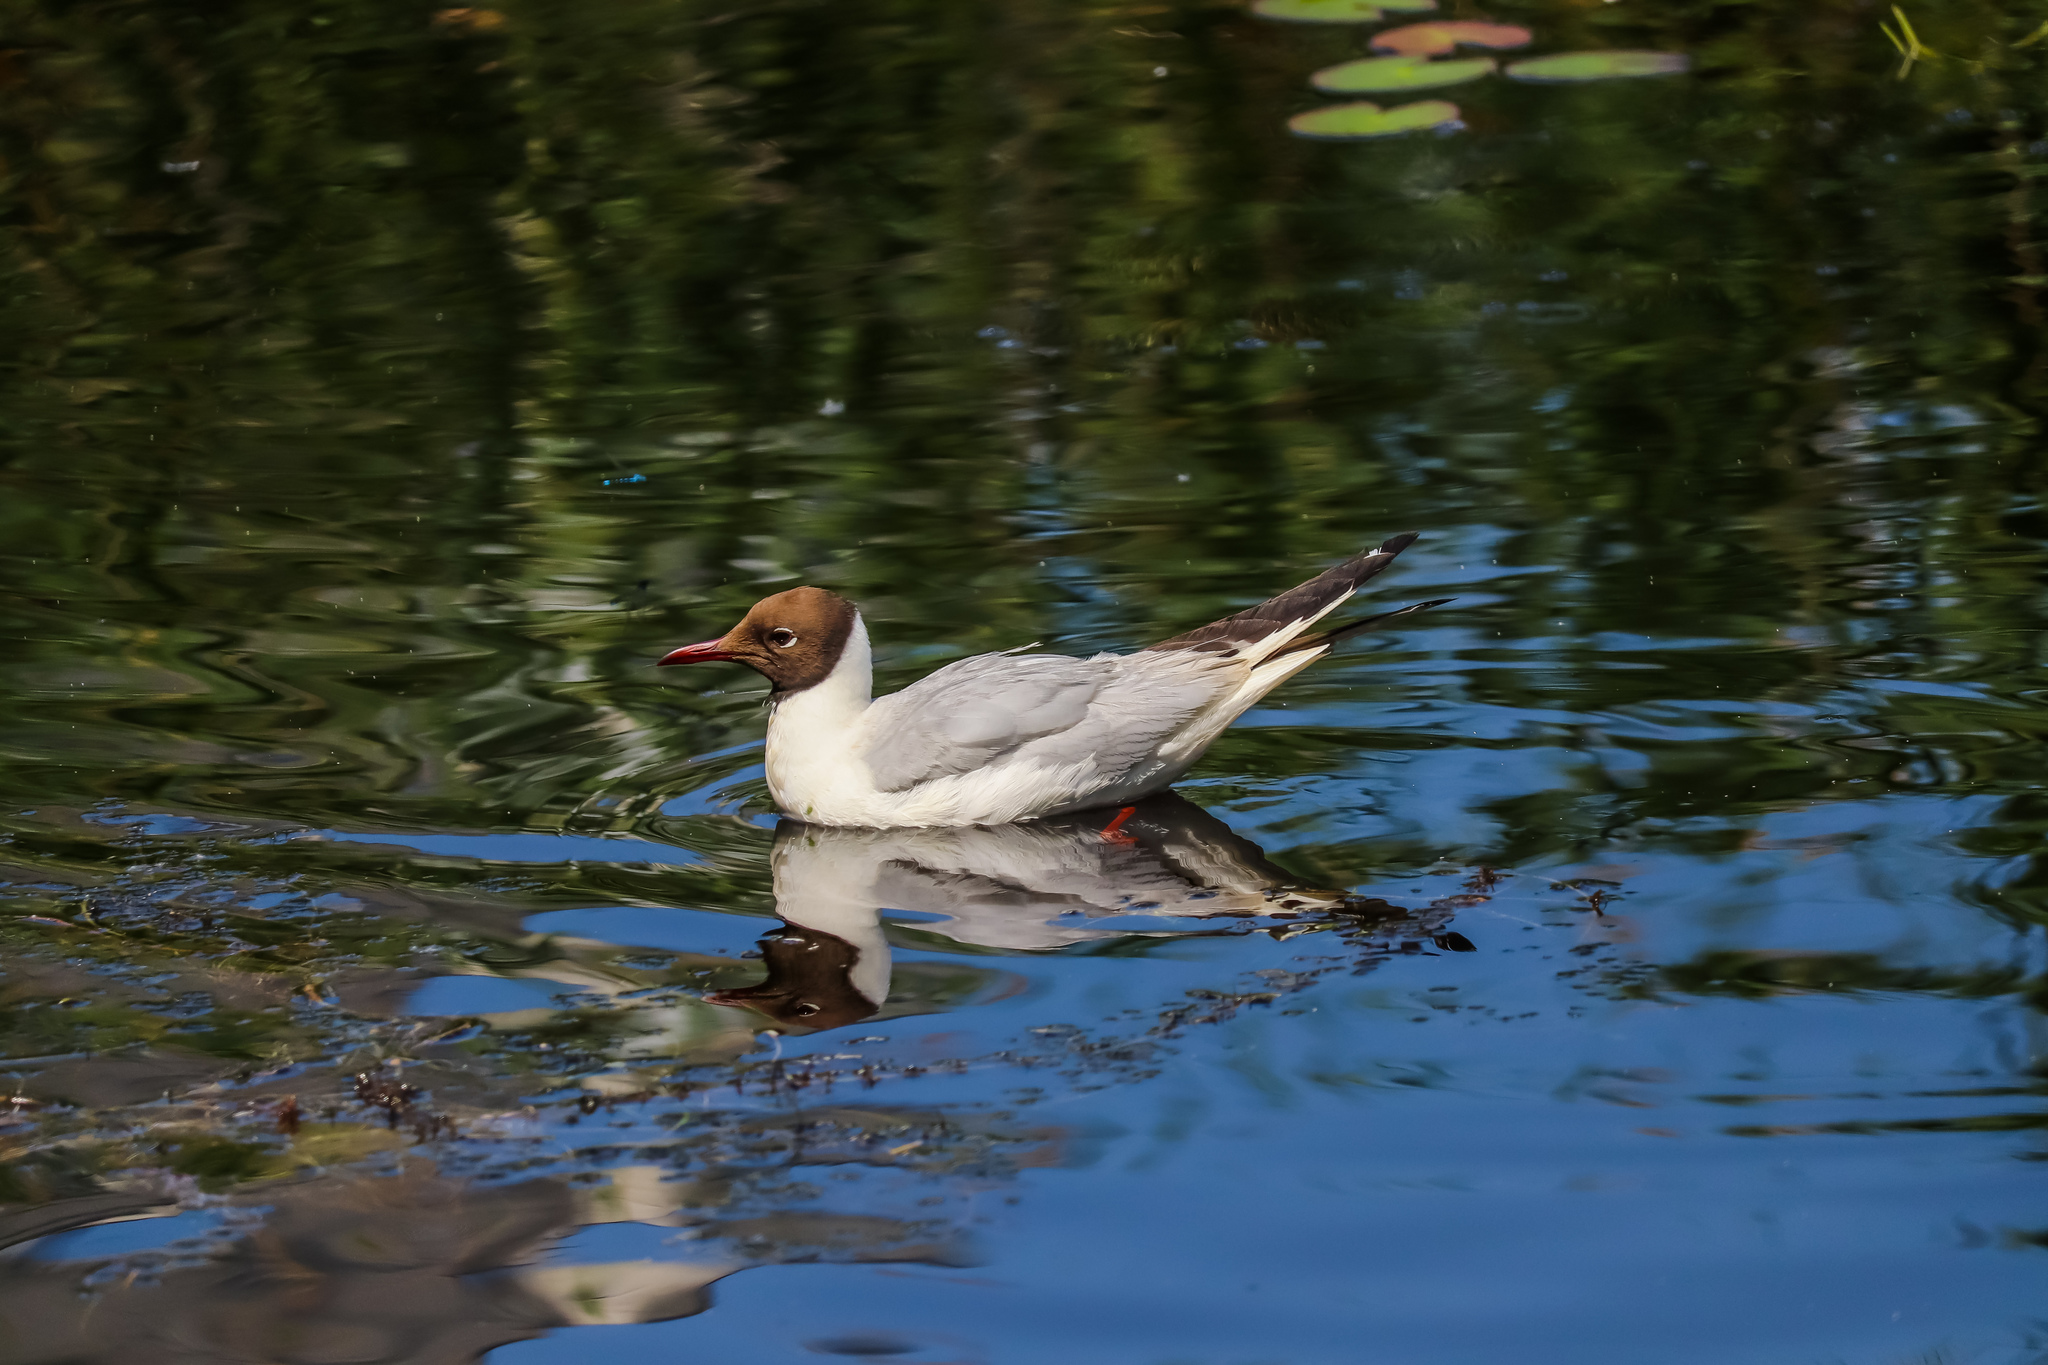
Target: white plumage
pixel 992 739
pixel 1005 737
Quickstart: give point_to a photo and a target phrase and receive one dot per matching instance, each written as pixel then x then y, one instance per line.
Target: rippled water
pixel 1636 959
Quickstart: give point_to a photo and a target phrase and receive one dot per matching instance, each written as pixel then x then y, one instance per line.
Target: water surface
pixel 1635 959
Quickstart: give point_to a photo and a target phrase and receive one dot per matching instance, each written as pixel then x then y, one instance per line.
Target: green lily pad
pixel 1336 11
pixel 1352 122
pixel 1435 37
pixel 1598 66
pixel 1381 75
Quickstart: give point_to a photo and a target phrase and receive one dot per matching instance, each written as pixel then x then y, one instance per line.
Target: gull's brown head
pixel 793 639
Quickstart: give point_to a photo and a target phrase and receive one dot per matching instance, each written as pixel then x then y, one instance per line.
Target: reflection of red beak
pixel 738 998
pixel 711 651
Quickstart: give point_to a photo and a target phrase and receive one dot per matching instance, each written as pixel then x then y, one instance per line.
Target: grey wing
pixel 973 712
pixel 1111 711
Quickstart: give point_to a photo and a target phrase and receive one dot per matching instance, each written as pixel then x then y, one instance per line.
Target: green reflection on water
pixel 386 390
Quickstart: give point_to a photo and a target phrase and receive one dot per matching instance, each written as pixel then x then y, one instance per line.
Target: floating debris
pixel 1380 75
pixel 1354 122
pixel 1562 67
pixel 1336 11
pixel 1436 37
pixel 393 1097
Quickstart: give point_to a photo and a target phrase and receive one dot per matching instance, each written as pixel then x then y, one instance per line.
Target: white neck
pixel 811 733
pixel 846 690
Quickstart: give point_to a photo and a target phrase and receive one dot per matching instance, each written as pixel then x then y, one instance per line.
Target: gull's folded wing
pixel 1044 709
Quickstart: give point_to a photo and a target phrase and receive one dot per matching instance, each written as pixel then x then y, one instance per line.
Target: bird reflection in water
pixel 1039 886
pixel 425 1265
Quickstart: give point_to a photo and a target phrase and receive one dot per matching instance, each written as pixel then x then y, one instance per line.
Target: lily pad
pixel 1380 75
pixel 1354 122
pixel 1336 11
pixel 1435 37
pixel 1598 66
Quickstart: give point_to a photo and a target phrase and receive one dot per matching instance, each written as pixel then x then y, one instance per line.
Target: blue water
pixel 1635 958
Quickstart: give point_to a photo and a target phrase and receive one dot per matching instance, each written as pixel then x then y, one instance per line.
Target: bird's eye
pixel 806 1010
pixel 782 637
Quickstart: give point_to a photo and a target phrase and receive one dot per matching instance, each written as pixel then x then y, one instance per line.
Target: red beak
pixel 711 651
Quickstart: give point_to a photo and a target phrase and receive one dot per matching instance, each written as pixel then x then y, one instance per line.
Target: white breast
pixel 813 771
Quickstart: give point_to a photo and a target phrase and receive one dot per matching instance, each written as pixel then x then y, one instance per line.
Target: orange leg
pixel 1109 831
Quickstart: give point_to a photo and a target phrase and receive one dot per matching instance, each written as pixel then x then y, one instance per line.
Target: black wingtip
pixel 1306 600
